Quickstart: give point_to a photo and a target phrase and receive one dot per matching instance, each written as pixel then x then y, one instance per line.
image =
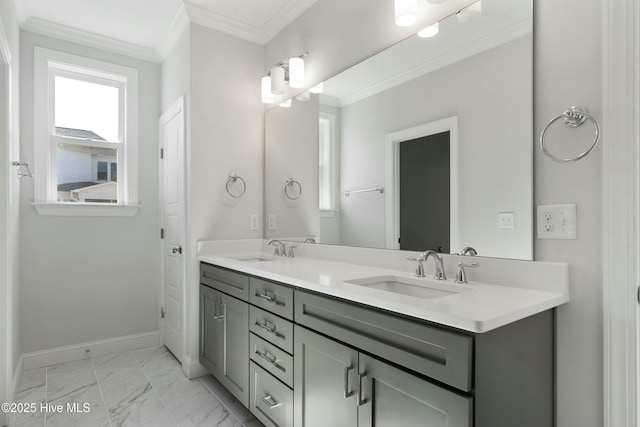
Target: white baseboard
pixel 17 375
pixel 71 353
pixel 193 369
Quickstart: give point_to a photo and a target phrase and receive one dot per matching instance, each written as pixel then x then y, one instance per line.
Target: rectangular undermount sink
pixel 254 258
pixel 413 287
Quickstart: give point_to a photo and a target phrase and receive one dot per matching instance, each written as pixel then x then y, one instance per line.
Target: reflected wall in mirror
pixel 426 145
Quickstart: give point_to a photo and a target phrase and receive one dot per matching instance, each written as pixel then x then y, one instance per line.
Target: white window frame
pixel 333 170
pixel 49 63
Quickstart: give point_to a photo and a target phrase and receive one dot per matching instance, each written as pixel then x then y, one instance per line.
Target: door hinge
pixel 638 294
pixel 162 312
pixel 162 153
pixel 162 233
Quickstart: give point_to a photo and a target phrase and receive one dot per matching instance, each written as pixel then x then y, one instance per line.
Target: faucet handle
pixel 461 274
pixel 419 267
pixel 291 253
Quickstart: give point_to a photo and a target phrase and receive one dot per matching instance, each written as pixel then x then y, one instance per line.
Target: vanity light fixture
pixel 429 31
pixel 470 12
pixel 406 12
pixel 290 71
pixel 286 104
pixel 317 88
pixel 267 96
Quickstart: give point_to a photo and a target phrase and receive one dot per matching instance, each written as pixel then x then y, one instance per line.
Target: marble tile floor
pixel 136 388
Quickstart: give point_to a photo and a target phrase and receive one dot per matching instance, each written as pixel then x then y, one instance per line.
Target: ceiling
pixel 149 28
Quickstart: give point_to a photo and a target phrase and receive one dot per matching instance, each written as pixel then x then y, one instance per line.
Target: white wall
pixel 562 77
pixel 226 136
pixel 291 151
pixel 10 339
pixel 494 148
pixel 86 279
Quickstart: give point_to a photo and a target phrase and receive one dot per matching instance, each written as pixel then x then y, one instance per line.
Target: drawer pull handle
pixel 273 360
pixel 270 328
pixel 270 402
pixel 347 393
pixel 269 296
pixel 361 401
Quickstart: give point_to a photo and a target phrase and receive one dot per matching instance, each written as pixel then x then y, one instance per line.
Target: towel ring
pixel 572 118
pixel 289 184
pixel 233 178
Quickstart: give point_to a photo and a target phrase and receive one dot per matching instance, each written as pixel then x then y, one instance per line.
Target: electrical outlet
pixel 271 222
pixel 557 222
pixel 253 222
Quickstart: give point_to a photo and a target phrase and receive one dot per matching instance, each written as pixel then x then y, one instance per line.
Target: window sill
pixel 85 209
pixel 328 213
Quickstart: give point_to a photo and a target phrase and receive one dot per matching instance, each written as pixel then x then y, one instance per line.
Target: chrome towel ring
pixel 288 186
pixel 573 117
pixel 233 178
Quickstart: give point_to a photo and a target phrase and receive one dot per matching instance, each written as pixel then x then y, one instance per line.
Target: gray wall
pixel 562 77
pixel 494 153
pixel 82 278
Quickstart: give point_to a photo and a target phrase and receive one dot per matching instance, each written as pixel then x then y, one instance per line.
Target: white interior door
pixel 173 220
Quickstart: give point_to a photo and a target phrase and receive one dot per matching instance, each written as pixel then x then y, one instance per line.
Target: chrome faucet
pixel 309 240
pixel 279 248
pixel 440 274
pixel 461 274
pixel 468 251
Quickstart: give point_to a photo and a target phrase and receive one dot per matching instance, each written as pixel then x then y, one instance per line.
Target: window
pixel 85 135
pixel 327 162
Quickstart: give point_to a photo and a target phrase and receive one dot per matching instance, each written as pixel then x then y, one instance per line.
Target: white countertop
pixel 480 309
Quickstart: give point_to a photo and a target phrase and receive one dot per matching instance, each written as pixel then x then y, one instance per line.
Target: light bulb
pixel 317 88
pixel 286 104
pixel 277 80
pixel 430 31
pixel 469 12
pixel 296 72
pixel 406 12
pixel 267 96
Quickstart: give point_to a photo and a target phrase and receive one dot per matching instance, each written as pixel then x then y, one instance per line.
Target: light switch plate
pixel 271 222
pixel 556 222
pixel 506 220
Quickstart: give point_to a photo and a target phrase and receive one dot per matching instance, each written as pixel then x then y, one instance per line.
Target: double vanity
pixel 327 339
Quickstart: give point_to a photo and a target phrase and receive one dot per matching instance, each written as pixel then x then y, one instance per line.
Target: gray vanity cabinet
pixel 225 340
pixel 340 387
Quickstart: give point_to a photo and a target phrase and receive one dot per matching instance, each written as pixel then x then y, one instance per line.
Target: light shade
pixel 470 12
pixel 286 104
pixel 436 1
pixel 430 31
pixel 296 72
pixel 406 12
pixel 304 96
pixel 267 96
pixel 317 88
pixel 277 80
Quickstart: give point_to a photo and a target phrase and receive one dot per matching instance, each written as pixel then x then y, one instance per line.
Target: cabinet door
pixel 234 366
pixel 324 382
pixel 390 397
pixel 211 337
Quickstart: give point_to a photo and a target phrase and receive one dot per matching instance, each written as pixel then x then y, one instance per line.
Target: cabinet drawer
pixel 272 359
pixel 272 328
pixel 271 401
pixel 271 296
pixel 229 282
pixel 443 355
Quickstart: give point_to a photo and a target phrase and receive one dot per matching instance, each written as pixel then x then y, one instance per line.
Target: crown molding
pixel 178 26
pixel 490 41
pixel 209 19
pixel 85 38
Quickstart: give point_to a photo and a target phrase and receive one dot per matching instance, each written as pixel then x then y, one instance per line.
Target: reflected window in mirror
pixel 327 144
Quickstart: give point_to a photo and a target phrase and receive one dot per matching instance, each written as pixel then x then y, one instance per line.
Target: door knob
pixel 177 249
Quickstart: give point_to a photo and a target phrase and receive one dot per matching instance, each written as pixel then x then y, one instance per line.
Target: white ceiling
pixel 148 28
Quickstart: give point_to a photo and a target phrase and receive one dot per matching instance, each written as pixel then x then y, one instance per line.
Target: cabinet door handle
pixel 361 401
pixel 270 328
pixel 218 315
pixel 270 402
pixel 347 393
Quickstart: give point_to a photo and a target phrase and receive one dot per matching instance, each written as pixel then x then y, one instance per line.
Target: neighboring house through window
pixel 85 133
